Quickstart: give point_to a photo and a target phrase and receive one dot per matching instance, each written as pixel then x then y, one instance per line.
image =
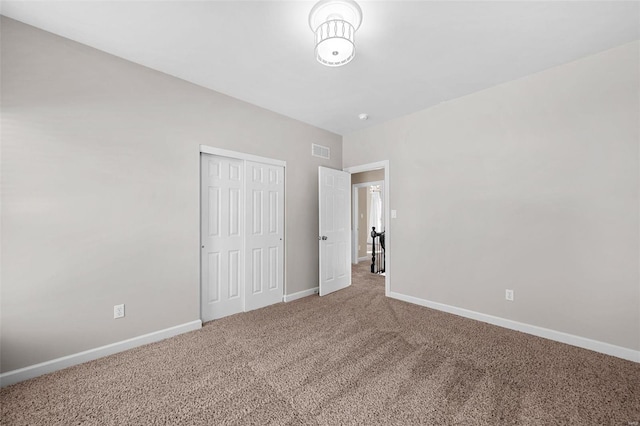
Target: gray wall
pixel 531 185
pixel 100 193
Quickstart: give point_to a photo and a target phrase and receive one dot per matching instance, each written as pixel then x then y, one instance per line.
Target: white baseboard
pixel 300 294
pixel 362 259
pixel 558 336
pixel 15 376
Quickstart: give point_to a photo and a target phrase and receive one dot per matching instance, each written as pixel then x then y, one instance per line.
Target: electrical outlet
pixel 508 294
pixel 118 311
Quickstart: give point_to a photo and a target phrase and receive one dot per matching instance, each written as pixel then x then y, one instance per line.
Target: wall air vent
pixel 320 151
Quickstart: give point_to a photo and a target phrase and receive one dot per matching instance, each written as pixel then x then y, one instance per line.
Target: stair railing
pixel 377 247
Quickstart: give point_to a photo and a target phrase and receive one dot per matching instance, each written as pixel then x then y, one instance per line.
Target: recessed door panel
pixel 273 212
pixel 234 274
pixel 234 171
pixel 273 176
pixel 257 271
pixel 273 273
pixel 341 266
pixel 257 173
pixel 328 207
pixel 235 213
pixel 339 220
pixel 257 212
pixel 330 267
pixel 214 211
pixel 214 277
pixel 214 168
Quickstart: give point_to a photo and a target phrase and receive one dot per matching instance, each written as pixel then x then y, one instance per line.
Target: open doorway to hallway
pixel 368 219
pixel 370 209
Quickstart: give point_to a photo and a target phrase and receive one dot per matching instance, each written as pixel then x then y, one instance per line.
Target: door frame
pixel 355 238
pixel 206 149
pixel 384 164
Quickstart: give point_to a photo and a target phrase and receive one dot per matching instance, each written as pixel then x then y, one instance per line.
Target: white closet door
pixel 222 262
pixel 265 233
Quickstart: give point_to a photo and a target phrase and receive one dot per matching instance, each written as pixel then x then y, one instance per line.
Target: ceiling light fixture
pixel 334 23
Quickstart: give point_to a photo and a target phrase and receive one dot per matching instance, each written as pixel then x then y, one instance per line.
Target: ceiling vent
pixel 320 151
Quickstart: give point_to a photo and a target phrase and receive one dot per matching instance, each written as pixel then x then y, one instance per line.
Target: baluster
pixel 373 250
pixel 383 251
pixel 377 262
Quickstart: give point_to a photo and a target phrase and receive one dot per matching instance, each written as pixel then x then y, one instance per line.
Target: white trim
pixel 384 164
pixel 369 183
pixel 368 167
pixel 241 156
pixel 15 376
pixel 354 224
pixel 558 336
pixel 354 240
pixel 300 294
pixel 362 259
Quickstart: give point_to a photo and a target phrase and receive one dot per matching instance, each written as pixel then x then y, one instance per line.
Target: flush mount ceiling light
pixel 334 23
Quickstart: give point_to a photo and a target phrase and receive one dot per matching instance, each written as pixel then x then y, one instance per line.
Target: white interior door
pixel 222 240
pixel 335 232
pixel 265 233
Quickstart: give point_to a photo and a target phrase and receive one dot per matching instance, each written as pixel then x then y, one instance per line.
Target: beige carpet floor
pixel 353 357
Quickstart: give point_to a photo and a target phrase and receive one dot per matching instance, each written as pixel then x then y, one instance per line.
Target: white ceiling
pixel 409 55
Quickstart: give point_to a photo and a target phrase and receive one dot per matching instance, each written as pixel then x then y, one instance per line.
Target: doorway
pixel 382 170
pixel 368 214
pixel 242 232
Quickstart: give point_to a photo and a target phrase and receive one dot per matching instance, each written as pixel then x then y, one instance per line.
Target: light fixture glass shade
pixel 334 23
pixel 335 43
